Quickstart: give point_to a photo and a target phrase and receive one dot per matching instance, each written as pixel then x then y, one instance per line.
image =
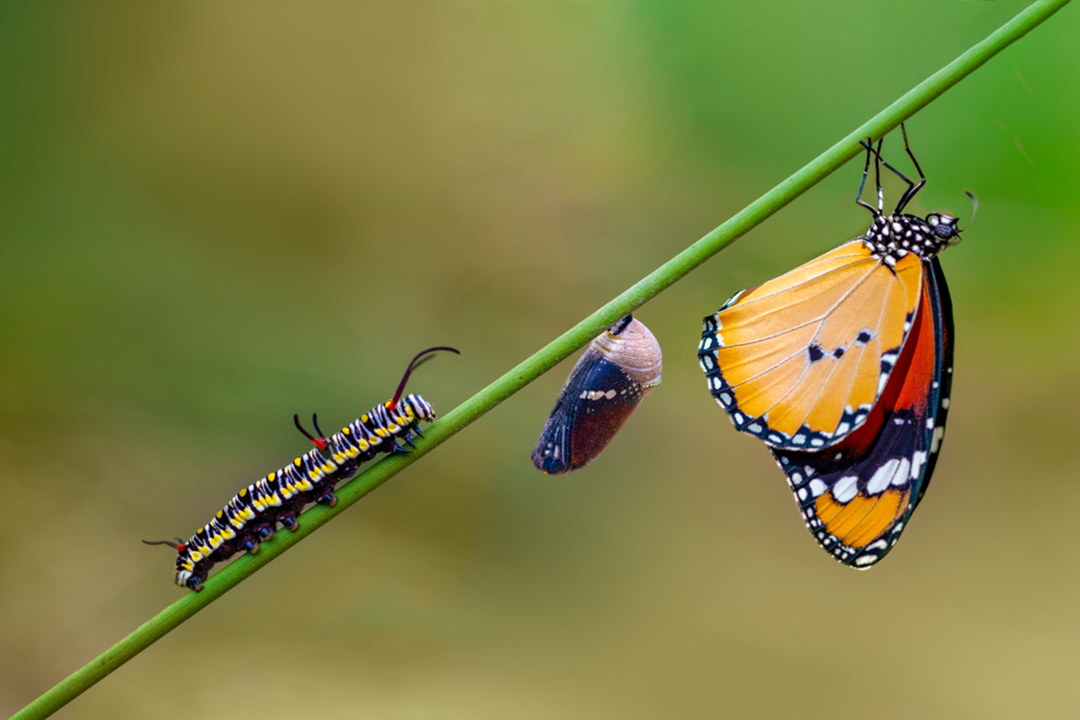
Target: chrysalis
pixel 619 368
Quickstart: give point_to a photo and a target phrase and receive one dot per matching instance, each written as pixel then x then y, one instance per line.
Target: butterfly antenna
pixel 413 364
pixel 974 208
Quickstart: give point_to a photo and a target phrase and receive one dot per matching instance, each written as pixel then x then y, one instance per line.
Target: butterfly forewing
pixel 800 360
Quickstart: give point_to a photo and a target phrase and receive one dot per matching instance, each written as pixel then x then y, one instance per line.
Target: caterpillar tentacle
pixel 253 514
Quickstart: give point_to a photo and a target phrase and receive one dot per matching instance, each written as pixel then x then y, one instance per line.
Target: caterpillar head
pixel 420 408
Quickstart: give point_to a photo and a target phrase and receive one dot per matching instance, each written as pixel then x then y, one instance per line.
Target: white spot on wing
pixel 917 461
pixel 901 475
pixel 883 476
pixel 846 488
pixel 936 442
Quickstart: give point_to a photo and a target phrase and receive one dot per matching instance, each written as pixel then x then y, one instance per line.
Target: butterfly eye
pixel 944 226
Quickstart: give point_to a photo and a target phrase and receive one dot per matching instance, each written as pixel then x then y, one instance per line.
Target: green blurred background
pixel 214 215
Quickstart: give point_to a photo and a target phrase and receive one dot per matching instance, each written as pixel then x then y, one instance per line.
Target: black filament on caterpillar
pixel 252 516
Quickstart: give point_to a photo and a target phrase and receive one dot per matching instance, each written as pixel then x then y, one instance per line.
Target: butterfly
pixel 843 368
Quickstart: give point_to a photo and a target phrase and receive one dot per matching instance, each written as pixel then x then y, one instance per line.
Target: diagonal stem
pixel 546 358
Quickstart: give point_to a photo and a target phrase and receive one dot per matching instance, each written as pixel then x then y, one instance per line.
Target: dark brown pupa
pixel 619 368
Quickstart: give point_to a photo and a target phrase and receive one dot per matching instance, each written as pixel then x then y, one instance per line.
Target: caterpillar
pixel 252 516
pixel 620 367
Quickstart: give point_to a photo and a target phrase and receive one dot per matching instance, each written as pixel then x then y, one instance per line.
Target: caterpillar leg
pixel 347 470
pixel 251 546
pixel 329 499
pixel 265 533
pixel 290 523
pixel 398 450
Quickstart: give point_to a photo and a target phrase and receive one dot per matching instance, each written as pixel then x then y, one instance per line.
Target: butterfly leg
pixel 913 187
pixel 868 144
pixel 922 177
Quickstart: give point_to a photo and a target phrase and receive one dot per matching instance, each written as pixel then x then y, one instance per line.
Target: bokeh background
pixel 214 215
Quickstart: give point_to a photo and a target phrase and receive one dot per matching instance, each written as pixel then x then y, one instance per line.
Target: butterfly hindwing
pixel 940 291
pixel 858 495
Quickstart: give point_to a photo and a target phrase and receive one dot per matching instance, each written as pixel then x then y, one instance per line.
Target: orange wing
pixel 858 496
pixel 800 360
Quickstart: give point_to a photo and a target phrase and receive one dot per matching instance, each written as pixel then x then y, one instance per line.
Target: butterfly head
pixel 945 228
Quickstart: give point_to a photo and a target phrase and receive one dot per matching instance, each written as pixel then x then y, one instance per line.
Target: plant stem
pixel 556 351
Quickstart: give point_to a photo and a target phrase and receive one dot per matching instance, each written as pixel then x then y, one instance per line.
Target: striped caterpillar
pixel 251 517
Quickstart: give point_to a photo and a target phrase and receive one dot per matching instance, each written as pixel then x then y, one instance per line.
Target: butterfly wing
pixel 940 291
pixel 858 495
pixel 799 361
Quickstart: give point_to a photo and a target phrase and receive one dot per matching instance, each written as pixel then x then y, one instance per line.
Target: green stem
pixel 549 356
